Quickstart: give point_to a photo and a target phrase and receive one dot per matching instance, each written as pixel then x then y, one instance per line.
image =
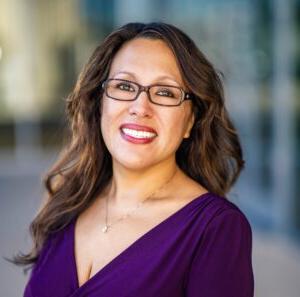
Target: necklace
pixel 106 226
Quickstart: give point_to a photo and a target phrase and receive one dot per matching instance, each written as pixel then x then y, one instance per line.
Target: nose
pixel 141 106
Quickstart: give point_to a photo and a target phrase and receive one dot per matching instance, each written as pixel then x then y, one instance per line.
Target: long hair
pixel 212 155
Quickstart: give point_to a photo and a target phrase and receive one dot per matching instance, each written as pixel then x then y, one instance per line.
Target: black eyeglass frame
pixel 184 96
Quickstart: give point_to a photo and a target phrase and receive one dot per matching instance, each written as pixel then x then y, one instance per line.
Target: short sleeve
pixel 222 265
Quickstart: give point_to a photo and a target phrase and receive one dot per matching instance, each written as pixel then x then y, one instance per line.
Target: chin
pixel 135 163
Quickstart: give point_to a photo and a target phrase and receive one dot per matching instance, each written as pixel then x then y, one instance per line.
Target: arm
pixel 222 266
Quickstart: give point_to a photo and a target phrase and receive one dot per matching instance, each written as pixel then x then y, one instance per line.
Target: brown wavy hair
pixel 212 155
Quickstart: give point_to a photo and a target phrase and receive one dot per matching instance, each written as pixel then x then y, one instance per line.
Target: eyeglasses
pixel 125 90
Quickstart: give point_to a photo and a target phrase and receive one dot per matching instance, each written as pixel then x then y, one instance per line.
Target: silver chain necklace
pixel 106 226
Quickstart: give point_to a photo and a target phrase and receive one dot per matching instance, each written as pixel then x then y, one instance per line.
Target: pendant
pixel 104 229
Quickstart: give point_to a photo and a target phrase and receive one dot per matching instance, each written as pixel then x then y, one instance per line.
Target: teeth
pixel 138 134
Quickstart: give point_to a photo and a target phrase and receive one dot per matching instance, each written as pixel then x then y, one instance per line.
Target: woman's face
pixel 144 61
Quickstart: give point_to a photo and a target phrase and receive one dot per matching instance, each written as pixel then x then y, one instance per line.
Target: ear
pixel 189 125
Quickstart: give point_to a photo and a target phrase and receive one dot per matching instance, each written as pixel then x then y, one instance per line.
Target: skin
pixel 140 169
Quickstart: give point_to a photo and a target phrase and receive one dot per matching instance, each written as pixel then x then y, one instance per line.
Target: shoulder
pixel 223 252
pixel 216 217
pixel 220 208
pixel 211 205
pixel 225 223
pixel 52 239
pixel 224 229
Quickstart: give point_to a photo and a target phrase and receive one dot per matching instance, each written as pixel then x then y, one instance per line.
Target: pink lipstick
pixel 137 134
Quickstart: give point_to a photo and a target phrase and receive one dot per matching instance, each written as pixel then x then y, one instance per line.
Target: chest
pixel 155 265
pixel 94 249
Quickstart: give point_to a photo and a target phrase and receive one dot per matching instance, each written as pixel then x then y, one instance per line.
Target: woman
pixel 136 204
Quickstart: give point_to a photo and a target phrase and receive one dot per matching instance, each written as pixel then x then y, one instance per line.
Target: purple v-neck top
pixel 202 250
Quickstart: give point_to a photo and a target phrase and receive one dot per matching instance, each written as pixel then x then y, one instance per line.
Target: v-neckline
pixel 126 250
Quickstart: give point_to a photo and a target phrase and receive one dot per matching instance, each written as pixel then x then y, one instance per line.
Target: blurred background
pixel 43 46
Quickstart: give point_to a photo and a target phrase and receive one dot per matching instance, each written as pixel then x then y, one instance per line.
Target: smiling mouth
pixel 138 134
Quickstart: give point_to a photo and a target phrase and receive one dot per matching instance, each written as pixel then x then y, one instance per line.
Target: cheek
pixel 109 113
pixel 174 126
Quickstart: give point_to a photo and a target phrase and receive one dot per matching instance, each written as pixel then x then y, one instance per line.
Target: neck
pixel 129 187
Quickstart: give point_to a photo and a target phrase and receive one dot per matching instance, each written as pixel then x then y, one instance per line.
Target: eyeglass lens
pixel 125 90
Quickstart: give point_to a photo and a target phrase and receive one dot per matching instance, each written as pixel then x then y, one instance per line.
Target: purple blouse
pixel 202 250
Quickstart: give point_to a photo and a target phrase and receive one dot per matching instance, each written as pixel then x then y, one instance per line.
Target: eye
pixel 124 86
pixel 165 93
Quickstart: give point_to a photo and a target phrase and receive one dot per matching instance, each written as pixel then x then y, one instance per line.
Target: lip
pixel 138 127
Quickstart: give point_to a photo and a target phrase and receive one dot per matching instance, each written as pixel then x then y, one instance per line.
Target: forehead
pixel 147 59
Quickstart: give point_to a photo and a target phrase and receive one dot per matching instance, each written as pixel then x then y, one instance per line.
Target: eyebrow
pixel 158 78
